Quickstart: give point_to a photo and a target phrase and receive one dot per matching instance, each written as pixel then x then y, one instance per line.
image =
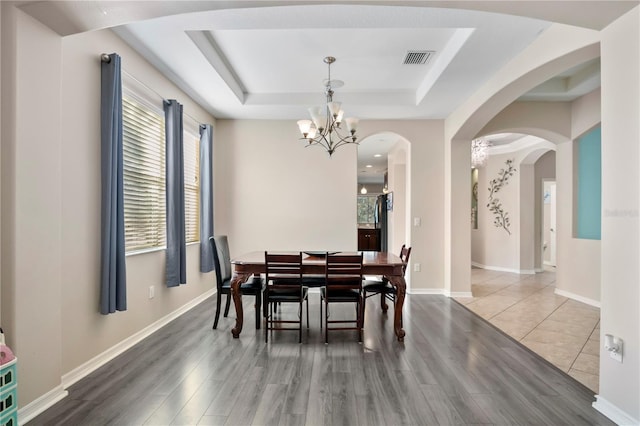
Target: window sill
pixel 155 249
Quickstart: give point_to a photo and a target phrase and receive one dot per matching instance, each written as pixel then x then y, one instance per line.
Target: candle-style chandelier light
pixel 324 127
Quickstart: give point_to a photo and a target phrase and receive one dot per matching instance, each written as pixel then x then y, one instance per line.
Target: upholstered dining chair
pixel 382 286
pixel 224 272
pixel 284 284
pixel 343 284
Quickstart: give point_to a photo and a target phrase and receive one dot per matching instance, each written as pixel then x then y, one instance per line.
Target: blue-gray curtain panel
pixel 113 280
pixel 206 197
pixel 176 241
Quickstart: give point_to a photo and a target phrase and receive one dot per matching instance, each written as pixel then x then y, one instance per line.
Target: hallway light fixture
pixel 363 190
pixel 323 128
pixel 479 152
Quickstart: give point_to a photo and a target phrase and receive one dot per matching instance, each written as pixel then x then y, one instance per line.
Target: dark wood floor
pixel 453 368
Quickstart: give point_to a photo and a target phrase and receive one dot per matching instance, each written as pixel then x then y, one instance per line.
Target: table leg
pixel 401 287
pixel 236 281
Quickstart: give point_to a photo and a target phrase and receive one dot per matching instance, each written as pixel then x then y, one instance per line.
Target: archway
pixel 394 183
pixel 535 65
pixel 512 244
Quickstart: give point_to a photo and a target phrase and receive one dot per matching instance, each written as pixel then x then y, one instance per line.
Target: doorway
pixel 549 224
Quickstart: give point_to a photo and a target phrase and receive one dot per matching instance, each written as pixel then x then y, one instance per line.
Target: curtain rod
pixel 106 58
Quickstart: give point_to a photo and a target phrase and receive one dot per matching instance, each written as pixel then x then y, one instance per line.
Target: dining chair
pixel 284 284
pixel 224 273
pixel 382 286
pixel 343 284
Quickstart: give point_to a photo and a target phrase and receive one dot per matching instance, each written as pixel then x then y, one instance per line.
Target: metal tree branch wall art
pixel 501 217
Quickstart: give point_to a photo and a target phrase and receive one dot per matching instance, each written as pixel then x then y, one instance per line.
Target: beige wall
pixel 51 207
pixel 620 312
pixel 35 157
pixel 492 247
pixel 275 211
pixel 578 260
pixel 425 192
pixel 273 193
pixel 31 271
pixel 81 208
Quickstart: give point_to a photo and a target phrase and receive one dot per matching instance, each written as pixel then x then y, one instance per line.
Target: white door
pixel 552 224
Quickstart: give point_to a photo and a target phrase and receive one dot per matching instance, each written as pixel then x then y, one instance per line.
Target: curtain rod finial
pixel 105 58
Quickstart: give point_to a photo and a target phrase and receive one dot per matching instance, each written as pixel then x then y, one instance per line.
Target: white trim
pixel 47 400
pixel 501 269
pixel 458 294
pixel 441 292
pixel 438 291
pixel 39 405
pixel 577 297
pixel 613 413
pixel 98 361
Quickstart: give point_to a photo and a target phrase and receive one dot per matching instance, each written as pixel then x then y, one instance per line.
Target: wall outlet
pixel 416 267
pixel 417 221
pixel 614 345
pixel 152 291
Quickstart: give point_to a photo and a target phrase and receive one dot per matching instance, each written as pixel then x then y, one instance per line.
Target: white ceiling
pixel 266 63
pixel 264 60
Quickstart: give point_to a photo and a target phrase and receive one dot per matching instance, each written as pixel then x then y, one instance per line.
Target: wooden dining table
pixel 386 264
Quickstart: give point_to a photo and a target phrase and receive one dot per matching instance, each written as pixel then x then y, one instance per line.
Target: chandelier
pixel 479 152
pixel 324 127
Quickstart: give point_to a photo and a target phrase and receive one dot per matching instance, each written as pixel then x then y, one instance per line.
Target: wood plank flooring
pixel 453 368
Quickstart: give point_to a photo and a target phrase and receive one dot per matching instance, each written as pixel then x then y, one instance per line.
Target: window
pixel 144 175
pixel 366 208
pixel 191 186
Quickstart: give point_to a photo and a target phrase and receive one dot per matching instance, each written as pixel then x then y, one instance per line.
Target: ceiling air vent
pixel 417 57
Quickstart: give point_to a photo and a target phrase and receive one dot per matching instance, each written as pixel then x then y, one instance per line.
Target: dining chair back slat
pixel 283 284
pixel 343 284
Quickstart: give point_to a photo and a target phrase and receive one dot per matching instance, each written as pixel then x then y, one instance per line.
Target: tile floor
pixel 561 330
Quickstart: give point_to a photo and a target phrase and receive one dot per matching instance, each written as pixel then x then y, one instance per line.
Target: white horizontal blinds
pixel 144 175
pixel 191 186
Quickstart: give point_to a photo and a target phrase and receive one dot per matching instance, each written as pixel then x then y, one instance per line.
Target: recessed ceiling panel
pixel 368 59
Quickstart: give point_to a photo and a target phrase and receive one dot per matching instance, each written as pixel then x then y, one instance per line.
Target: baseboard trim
pixel 577 297
pixel 501 269
pixel 98 361
pixel 31 410
pixel 37 406
pixel 437 291
pixel 458 294
pixel 441 292
pixel 613 413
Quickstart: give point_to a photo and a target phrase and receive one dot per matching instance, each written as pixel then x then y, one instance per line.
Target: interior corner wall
pixel 426 194
pixel 620 305
pixel 7 128
pixel 528 216
pixel 578 260
pixel 31 200
pixel 397 171
pixel 493 247
pixel 545 170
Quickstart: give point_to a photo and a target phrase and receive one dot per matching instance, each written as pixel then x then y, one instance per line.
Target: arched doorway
pixel 384 173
